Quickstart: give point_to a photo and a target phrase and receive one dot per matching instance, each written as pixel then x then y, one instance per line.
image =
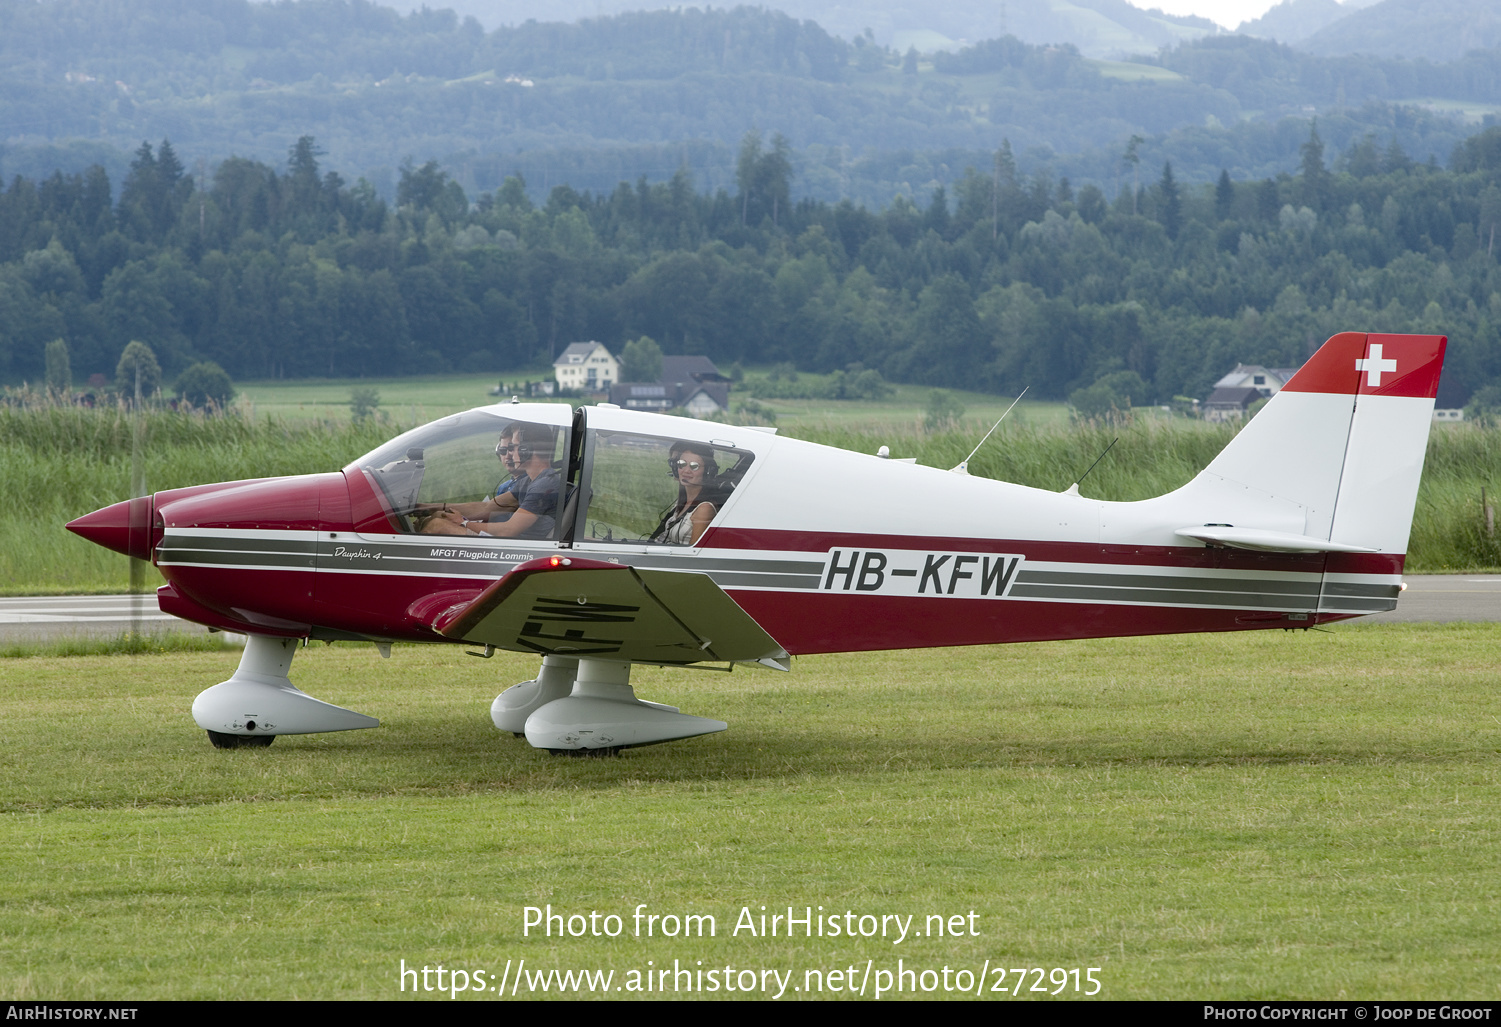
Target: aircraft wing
pixel 566 606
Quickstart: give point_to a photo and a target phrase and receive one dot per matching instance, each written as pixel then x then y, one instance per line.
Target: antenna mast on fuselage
pixel 963 467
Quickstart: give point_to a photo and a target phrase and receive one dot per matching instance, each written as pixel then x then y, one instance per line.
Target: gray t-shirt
pixel 538 496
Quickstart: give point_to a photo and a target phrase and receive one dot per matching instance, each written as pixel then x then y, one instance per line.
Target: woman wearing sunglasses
pixel 692 464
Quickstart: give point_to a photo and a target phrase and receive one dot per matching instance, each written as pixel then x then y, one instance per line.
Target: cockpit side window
pixel 475 474
pixel 645 488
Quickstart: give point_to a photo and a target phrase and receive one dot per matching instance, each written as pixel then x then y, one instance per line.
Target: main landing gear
pixel 574 707
pixel 259 701
pixel 587 707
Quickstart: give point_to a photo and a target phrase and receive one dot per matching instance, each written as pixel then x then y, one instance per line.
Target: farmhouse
pixel 1267 381
pixel 1230 404
pixel 691 383
pixel 586 367
pixel 1235 392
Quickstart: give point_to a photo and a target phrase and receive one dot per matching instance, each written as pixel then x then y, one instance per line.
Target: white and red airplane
pixel 617 537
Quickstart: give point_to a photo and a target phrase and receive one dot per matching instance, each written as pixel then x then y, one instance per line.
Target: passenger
pixel 524 507
pixel 692 464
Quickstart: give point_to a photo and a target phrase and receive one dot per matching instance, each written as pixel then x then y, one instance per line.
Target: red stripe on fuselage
pixel 244 593
pixel 806 622
pixel 820 622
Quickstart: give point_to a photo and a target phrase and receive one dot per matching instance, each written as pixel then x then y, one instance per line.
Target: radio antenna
pixel 963 467
pixel 1073 490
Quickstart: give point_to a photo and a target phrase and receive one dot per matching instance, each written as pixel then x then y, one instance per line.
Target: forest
pixel 1008 281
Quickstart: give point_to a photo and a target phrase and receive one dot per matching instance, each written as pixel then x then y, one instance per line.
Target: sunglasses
pixel 501 447
pixel 690 464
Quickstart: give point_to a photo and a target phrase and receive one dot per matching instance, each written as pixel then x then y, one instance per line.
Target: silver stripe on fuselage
pixel 1135 585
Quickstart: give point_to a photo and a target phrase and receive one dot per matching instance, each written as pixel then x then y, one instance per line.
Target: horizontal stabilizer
pixel 562 606
pixel 1267 541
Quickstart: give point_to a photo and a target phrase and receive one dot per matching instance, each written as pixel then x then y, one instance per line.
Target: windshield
pixel 478 473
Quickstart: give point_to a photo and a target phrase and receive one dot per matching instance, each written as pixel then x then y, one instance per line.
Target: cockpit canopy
pixel 624 486
pixel 457 460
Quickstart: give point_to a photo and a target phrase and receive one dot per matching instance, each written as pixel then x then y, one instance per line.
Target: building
pixel 1231 404
pixel 1267 381
pixel 586 367
pixel 692 384
pixel 1234 394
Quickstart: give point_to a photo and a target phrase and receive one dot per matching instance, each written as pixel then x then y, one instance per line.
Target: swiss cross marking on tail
pixel 1374 367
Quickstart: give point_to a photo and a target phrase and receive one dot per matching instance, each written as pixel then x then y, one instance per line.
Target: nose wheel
pixel 260 702
pixel 226 741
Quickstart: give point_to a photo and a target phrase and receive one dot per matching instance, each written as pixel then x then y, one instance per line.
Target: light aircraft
pixel 1302 519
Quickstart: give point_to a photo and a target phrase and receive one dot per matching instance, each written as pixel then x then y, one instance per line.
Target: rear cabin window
pixel 645 488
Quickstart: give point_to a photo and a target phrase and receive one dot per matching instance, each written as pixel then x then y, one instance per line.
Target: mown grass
pixel 60 463
pixel 1268 815
pixel 410 400
pixel 125 644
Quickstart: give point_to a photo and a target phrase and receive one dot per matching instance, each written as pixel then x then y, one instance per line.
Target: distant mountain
pixel 1099 28
pixel 1295 20
pixel 1102 28
pixel 607 99
pixel 1438 30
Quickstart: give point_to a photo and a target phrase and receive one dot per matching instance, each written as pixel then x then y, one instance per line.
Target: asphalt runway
pixel 1441 598
pixel 42 618
pixel 1434 598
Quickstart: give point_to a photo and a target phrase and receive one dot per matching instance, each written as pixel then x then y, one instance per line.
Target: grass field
pixel 407 401
pixel 1268 815
pixel 1130 71
pixel 411 401
pixel 905 411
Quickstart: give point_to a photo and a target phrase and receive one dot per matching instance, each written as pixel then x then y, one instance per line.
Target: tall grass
pixel 1449 531
pixel 1151 457
pixel 1155 456
pixel 58 463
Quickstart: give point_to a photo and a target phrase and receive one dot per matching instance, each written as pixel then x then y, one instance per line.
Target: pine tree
pixel 1172 202
pixel 1224 196
pixel 1315 175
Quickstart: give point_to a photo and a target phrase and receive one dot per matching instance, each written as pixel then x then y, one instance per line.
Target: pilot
pixel 524 507
pixel 699 493
pixel 507 453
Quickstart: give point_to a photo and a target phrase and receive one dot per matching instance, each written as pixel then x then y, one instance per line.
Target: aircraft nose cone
pixel 124 527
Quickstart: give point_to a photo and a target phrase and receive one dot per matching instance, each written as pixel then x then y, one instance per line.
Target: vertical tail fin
pixel 1337 454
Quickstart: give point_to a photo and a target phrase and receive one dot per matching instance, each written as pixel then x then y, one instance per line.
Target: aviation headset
pixel 711 467
pixel 530 439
